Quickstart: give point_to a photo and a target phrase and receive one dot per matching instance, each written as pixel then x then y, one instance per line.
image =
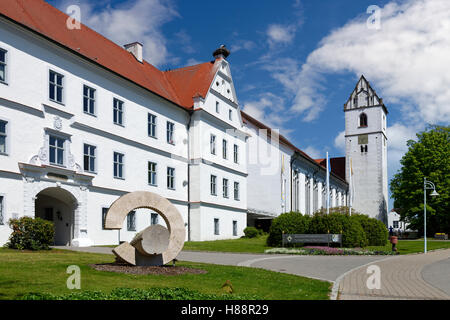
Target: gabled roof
pixel 192 81
pixel 45 20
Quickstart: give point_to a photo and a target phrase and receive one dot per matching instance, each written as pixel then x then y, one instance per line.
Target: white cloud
pixel 339 141
pixel 192 62
pixel 269 109
pixel 242 44
pixel 408 59
pixel 280 34
pixel 398 134
pixel 139 20
pixel 313 152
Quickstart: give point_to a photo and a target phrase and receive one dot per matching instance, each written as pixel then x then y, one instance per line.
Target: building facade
pixel 366 150
pixel 84 121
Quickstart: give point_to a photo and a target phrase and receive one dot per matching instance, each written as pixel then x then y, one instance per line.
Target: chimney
pixel 222 52
pixel 136 49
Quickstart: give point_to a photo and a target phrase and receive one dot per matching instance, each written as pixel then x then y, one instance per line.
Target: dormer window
pixel 363 120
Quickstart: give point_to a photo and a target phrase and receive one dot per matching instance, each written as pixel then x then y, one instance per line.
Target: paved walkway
pixel 327 268
pixel 415 276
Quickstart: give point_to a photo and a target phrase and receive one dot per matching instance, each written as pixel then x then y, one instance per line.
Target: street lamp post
pixel 426 185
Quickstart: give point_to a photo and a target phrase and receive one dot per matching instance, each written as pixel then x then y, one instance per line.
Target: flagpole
pixel 328 187
pixel 350 189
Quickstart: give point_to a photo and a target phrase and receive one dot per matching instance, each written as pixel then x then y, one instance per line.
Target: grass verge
pixel 258 245
pixel 44 272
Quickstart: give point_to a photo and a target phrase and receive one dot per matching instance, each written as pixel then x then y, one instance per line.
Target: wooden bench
pixel 312 238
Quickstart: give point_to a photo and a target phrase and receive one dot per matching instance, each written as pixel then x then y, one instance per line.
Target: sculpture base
pixel 129 254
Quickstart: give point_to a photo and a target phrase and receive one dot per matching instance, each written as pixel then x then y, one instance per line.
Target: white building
pixel 282 178
pixel 395 222
pixel 84 121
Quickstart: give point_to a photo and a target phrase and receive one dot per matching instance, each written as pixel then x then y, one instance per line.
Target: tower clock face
pixel 363 139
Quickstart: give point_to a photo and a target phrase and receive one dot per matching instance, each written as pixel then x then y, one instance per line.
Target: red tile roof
pixel 192 81
pixel 49 22
pixel 337 165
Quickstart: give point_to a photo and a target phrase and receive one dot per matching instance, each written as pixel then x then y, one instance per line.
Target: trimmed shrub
pixel 290 222
pixel 31 234
pixel 353 234
pixel 376 231
pixel 251 232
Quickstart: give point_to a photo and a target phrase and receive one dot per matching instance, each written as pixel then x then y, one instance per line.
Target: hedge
pixel 251 232
pixel 31 234
pixel 290 222
pixel 376 231
pixel 358 230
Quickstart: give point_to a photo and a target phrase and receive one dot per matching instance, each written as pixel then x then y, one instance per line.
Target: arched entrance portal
pixel 58 206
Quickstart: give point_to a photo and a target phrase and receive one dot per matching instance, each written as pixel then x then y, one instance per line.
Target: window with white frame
pixel 56 86
pixel 212 144
pixel 170 130
pixel 216 226
pixel 118 165
pixel 234 228
pixel 225 187
pixel 1 210
pixel 395 224
pixel 118 112
pixel 57 150
pixel 2 65
pixel 224 149
pixel 89 157
pixel 236 153
pixel 151 125
pixel 88 100
pixel 152 173
pixel 104 212
pixel 213 185
pixel 170 178
pixel 236 190
pixel 3 136
pixel 154 218
pixel 131 221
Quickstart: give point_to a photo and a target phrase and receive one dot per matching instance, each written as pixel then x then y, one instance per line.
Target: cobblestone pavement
pixel 401 278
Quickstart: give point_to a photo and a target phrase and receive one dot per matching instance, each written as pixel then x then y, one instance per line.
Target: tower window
pixel 364 149
pixel 363 120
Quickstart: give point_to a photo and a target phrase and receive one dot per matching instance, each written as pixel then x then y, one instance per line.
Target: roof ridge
pixel 187 67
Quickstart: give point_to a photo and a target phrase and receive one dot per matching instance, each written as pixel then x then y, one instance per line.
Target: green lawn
pixel 252 245
pixel 258 245
pixel 45 272
pixel 414 246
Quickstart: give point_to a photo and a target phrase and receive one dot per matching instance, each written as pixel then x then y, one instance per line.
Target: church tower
pixel 366 150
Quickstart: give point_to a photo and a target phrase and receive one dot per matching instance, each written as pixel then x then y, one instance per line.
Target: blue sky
pixel 295 63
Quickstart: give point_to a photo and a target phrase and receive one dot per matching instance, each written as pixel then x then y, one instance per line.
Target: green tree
pixel 428 157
